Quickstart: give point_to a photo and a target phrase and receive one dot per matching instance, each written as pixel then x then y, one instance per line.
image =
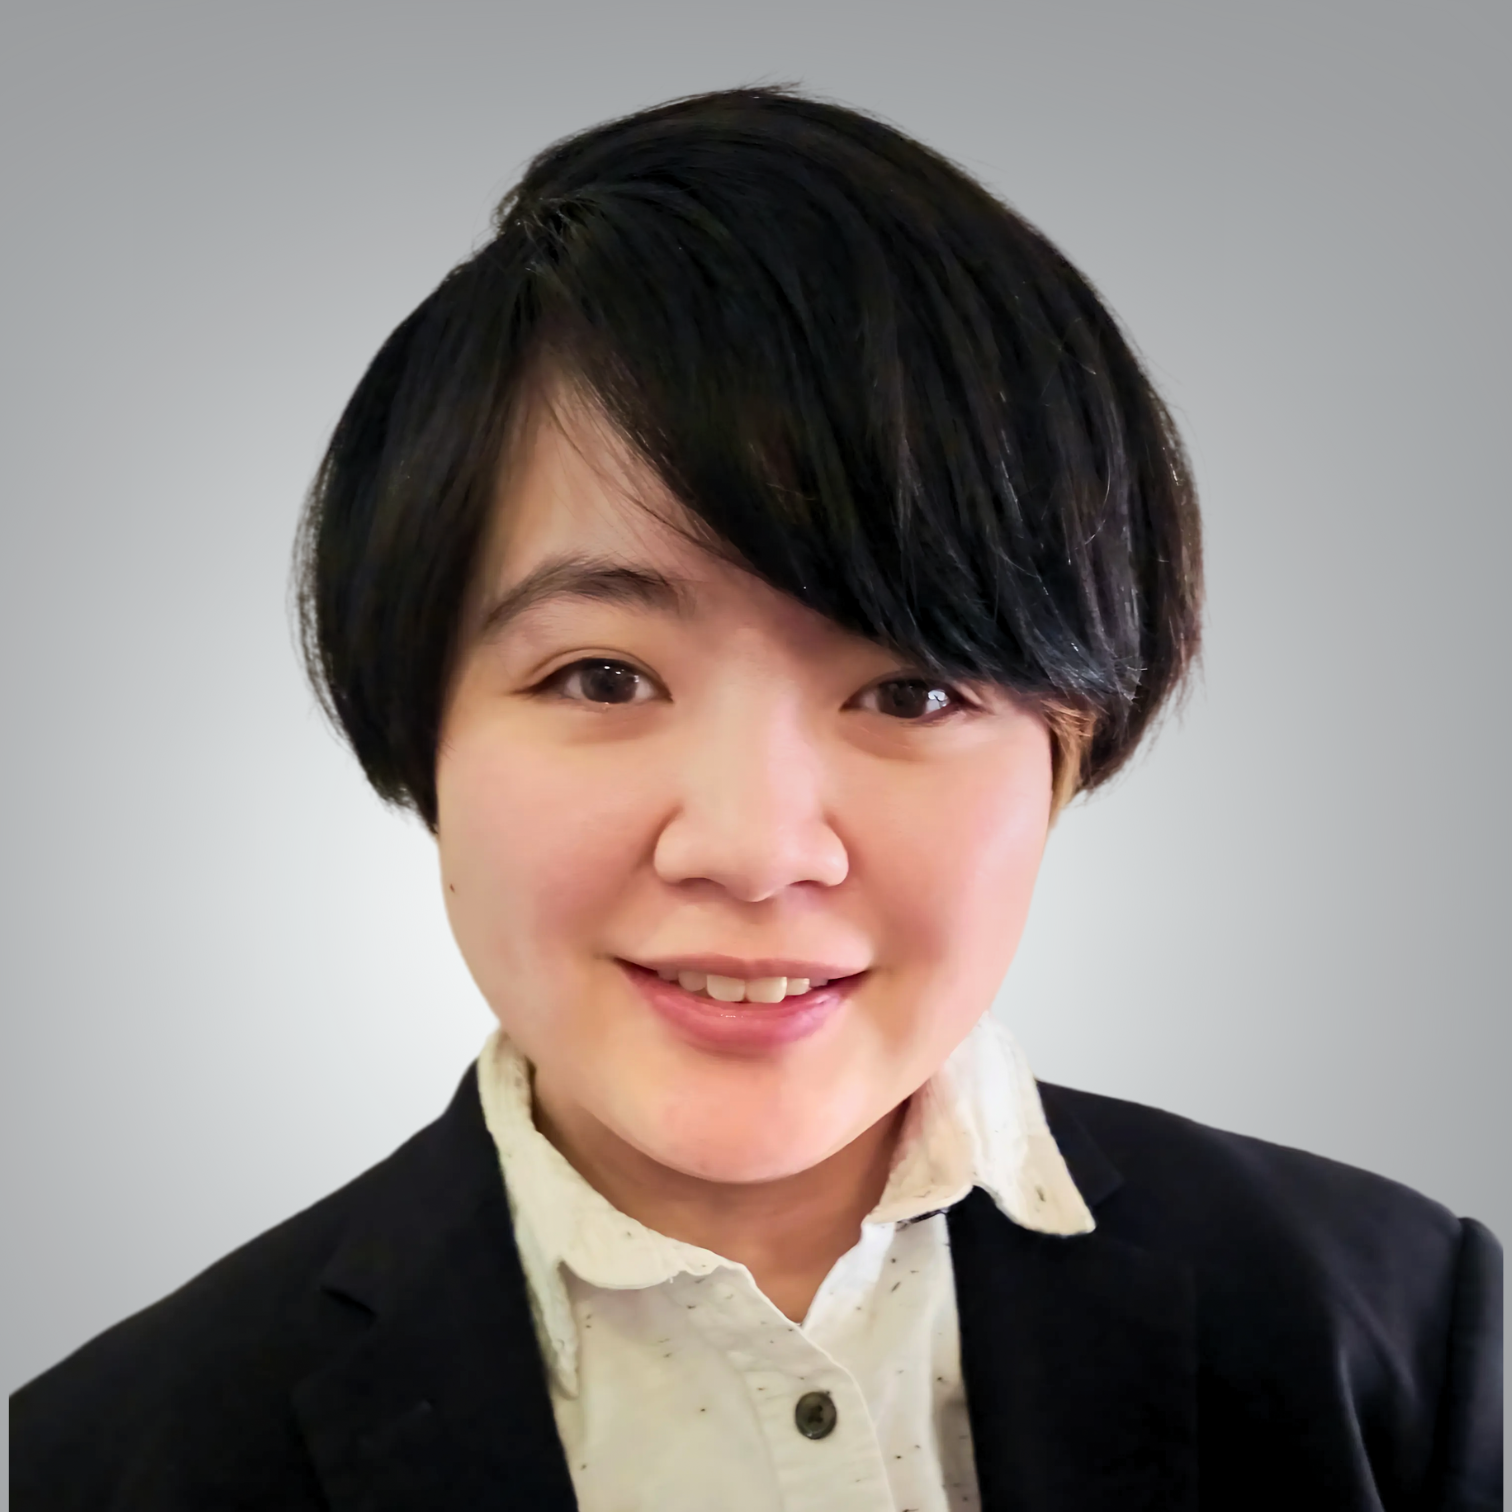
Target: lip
pixel 740 1027
pixel 747 970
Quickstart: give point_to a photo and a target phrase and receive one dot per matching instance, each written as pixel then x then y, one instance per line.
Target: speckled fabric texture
pixel 671 1372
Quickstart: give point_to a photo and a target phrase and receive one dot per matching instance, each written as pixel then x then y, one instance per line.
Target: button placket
pixel 781 1365
pixel 824 1446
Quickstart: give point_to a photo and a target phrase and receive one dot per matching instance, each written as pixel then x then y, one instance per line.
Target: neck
pixel 788 1232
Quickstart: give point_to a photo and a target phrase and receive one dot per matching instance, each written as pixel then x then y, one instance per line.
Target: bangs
pixel 934 448
pixel 867 381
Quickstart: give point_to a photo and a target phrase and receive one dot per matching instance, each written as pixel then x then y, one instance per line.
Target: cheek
pixel 956 878
pixel 533 850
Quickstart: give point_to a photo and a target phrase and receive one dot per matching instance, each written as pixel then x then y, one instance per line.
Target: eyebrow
pixel 598 579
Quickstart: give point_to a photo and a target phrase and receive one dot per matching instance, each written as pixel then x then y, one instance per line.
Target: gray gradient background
pixel 226 978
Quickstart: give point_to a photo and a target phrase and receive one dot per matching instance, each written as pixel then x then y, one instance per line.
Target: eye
pixel 598 680
pixel 919 700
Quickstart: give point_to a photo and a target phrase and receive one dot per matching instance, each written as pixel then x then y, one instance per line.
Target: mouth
pixel 727 979
pixel 744 1013
pixel 729 989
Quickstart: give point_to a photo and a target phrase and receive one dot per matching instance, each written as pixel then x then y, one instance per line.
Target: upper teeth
pixel 736 990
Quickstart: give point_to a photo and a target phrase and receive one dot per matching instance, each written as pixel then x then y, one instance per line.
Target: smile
pixel 750 1014
pixel 728 989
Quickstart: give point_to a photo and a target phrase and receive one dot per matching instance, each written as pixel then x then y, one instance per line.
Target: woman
pixel 737 564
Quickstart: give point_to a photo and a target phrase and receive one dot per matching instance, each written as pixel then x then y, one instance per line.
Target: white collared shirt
pixel 675 1381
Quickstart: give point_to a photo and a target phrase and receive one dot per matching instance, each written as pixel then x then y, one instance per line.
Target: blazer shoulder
pixel 1268 1222
pixel 229 1343
pixel 1188 1167
pixel 1329 1294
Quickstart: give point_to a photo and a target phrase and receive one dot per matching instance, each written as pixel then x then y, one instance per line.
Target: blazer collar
pixel 1079 1356
pixel 1078 1352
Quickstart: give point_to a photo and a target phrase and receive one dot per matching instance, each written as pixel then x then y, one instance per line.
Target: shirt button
pixel 815 1414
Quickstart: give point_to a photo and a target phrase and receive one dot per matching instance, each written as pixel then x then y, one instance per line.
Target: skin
pixel 755 791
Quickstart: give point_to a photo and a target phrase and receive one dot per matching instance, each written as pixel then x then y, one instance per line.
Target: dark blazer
pixel 1248 1327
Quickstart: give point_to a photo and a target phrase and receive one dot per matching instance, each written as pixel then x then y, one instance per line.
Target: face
pixel 653 763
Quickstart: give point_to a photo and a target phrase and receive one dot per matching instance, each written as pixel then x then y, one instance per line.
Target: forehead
pixel 580 518
pixel 571 483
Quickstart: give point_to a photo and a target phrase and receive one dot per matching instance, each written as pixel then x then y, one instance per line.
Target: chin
pixel 735 1167
pixel 734 1156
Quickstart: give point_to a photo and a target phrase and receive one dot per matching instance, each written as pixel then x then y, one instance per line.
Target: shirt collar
pixel 977 1121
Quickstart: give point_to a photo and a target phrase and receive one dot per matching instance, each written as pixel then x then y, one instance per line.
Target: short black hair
pixel 875 385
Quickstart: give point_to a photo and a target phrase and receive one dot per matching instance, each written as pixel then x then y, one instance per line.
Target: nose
pixel 751 814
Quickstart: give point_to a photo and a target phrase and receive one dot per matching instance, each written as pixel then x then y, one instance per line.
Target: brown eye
pixel 914 698
pixel 602 682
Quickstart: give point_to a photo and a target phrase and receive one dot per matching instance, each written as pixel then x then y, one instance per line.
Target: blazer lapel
pixel 441 1402
pixel 1079 1358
